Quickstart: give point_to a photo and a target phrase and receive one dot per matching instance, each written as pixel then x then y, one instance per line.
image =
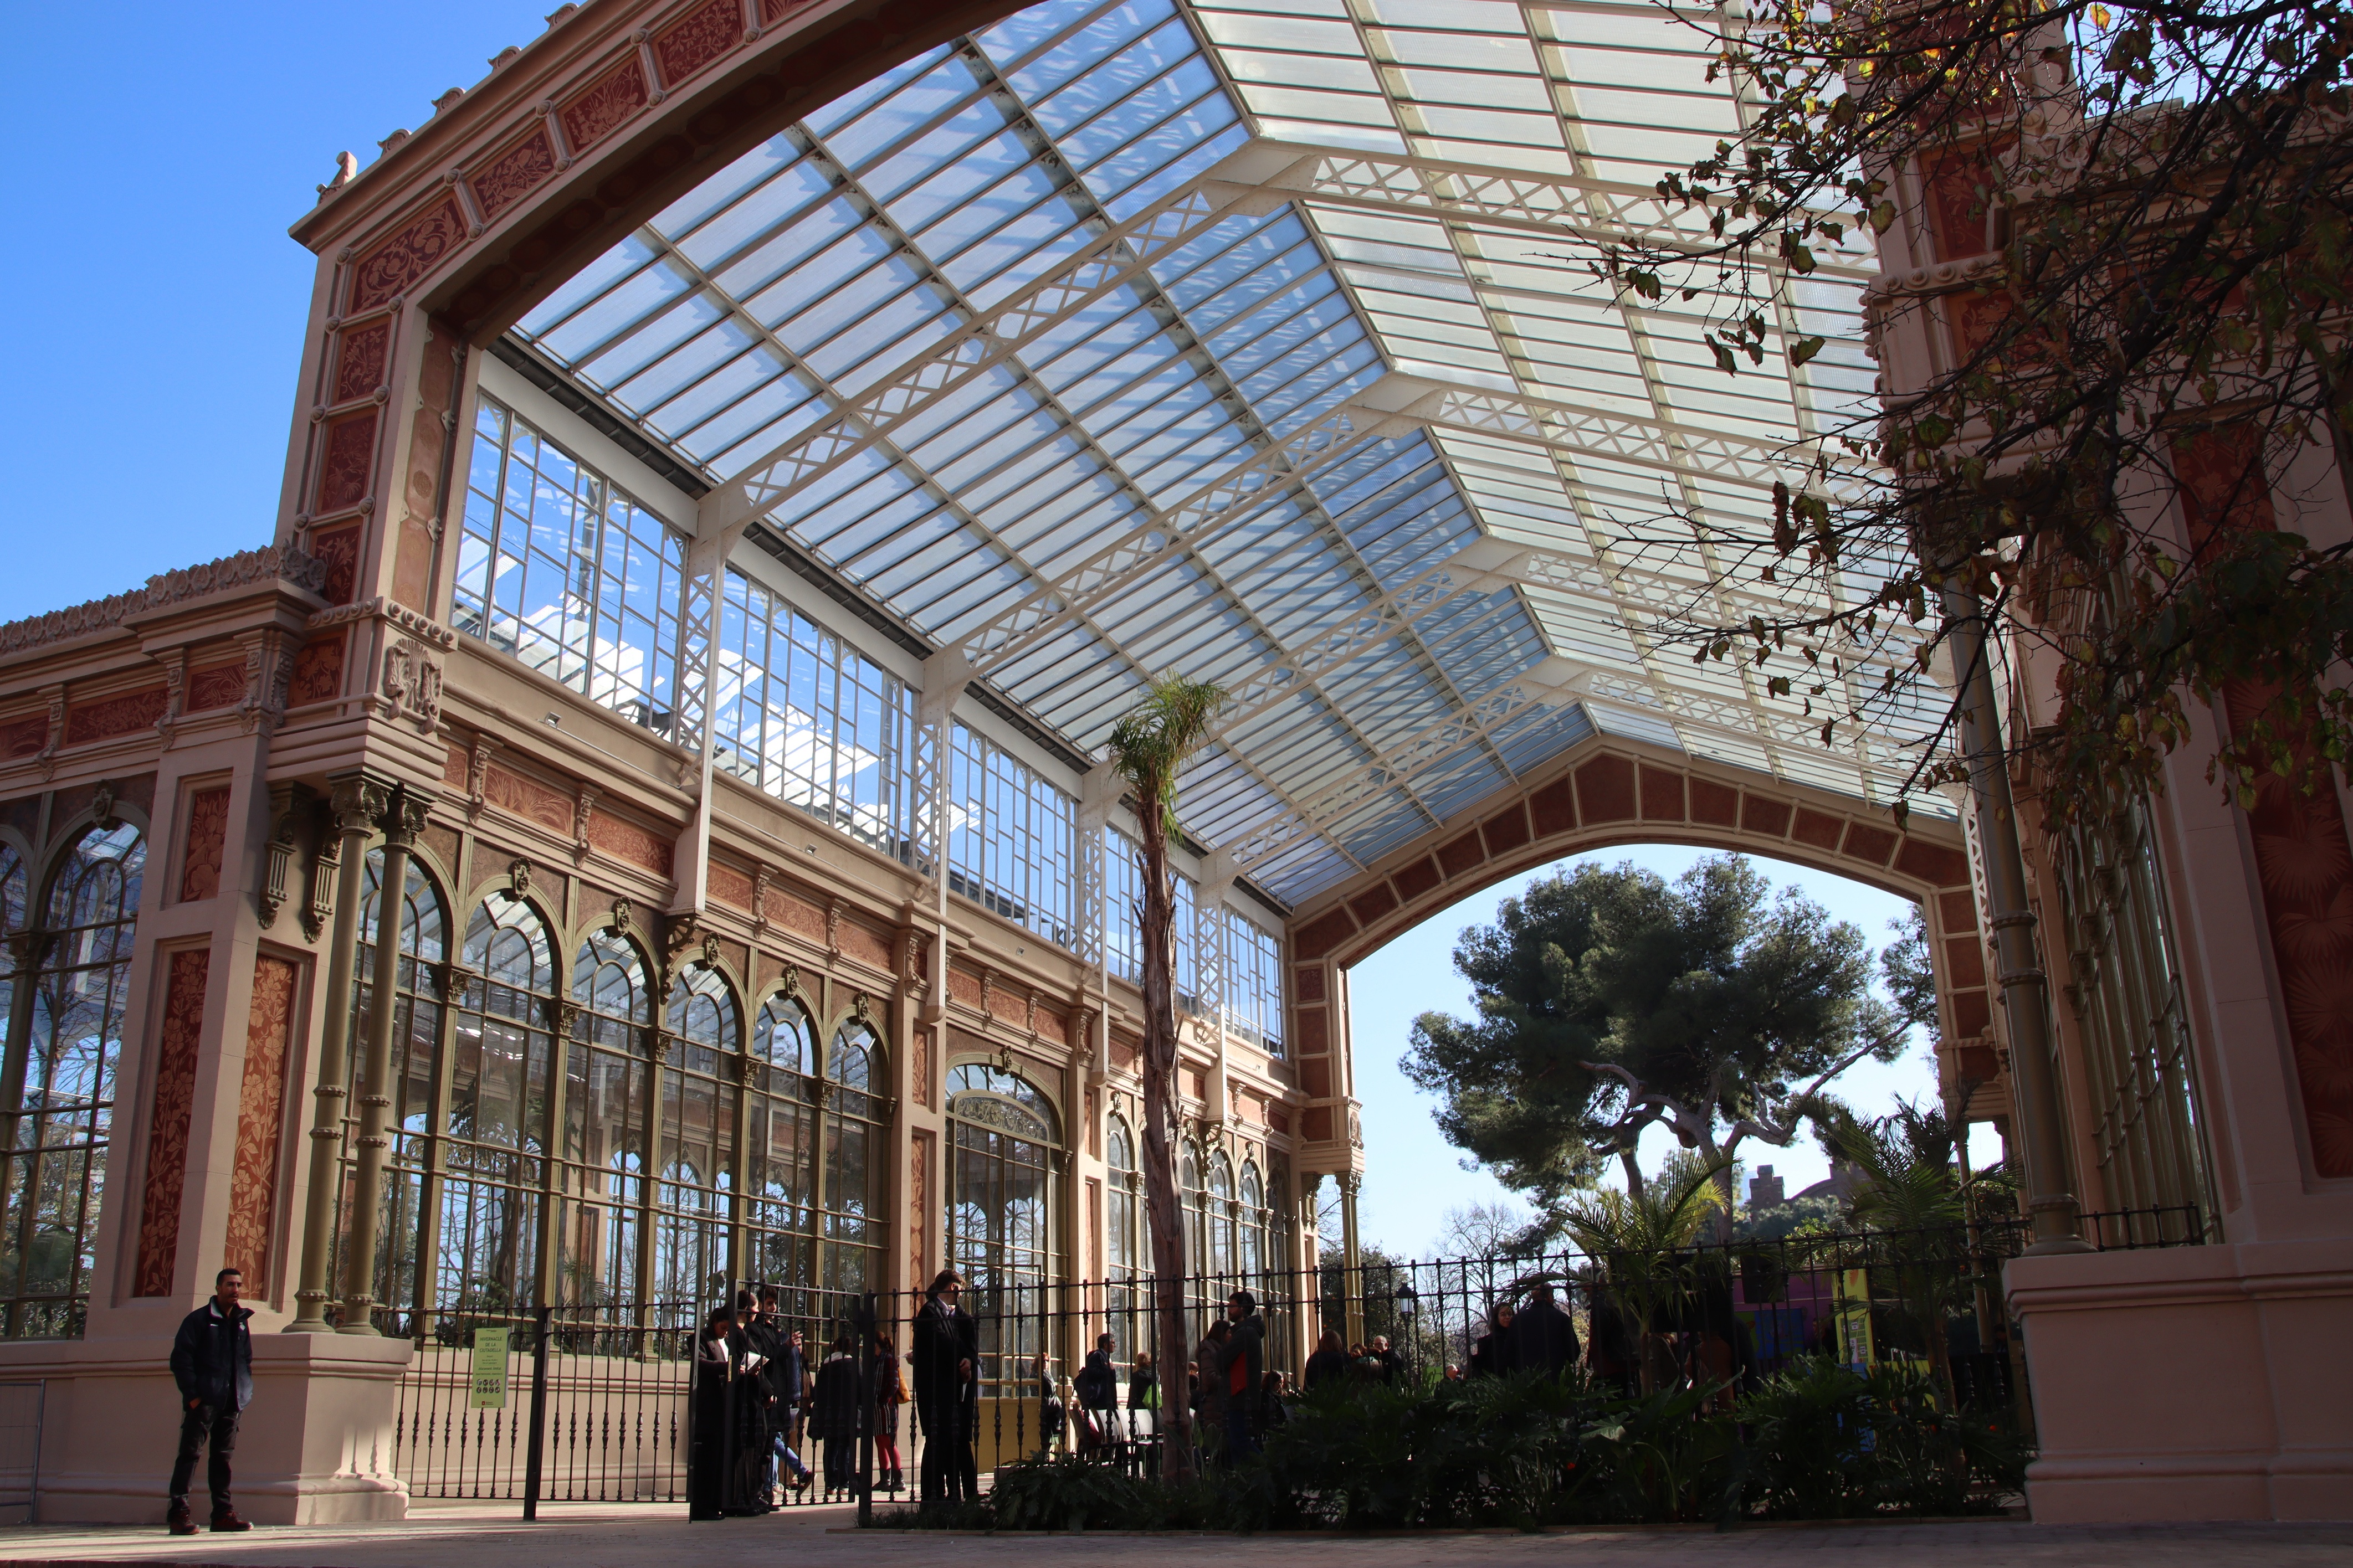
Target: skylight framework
pixel 1258 342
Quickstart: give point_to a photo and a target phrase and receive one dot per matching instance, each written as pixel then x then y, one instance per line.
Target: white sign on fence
pixel 489 1378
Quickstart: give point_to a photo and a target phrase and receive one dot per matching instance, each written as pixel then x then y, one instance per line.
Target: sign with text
pixel 490 1376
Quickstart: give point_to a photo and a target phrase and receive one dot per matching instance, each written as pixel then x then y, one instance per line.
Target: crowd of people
pixel 761 1394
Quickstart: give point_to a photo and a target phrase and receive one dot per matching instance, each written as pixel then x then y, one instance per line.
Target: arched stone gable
pixel 582 133
pixel 1608 792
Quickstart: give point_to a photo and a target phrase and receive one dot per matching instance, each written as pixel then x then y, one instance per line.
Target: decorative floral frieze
pixel 167 589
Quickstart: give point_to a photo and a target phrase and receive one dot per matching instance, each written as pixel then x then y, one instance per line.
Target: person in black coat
pixel 1496 1353
pixel 212 1362
pixel 1097 1387
pixel 1542 1335
pixel 833 1413
pixel 710 1453
pixel 947 1353
pixel 1329 1364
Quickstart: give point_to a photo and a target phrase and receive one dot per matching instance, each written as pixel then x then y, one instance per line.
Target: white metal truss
pixel 1595 212
pixel 987 341
pixel 1396 765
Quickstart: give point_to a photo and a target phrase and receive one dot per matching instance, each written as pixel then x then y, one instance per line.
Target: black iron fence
pixel 593 1404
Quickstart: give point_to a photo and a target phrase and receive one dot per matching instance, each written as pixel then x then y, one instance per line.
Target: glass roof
pixel 1251 340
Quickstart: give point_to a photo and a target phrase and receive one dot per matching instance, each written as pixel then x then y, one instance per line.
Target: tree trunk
pixel 1633 1170
pixel 1160 1200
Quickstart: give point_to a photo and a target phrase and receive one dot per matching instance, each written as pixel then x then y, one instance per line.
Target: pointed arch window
pixel 698 1145
pixel 407 1277
pixel 493 1148
pixel 606 1120
pixel 69 958
pixel 780 1174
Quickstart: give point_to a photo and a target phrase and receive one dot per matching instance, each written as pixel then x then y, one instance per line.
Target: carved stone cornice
pixel 1938 278
pixel 414 623
pixel 275 563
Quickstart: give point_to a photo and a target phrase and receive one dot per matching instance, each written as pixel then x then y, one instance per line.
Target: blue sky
pixel 151 357
pixel 155 164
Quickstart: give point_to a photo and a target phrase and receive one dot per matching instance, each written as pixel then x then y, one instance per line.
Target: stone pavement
pixel 491 1535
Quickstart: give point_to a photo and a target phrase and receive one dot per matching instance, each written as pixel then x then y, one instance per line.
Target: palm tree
pixel 1148 749
pixel 1913 1200
pixel 1640 1238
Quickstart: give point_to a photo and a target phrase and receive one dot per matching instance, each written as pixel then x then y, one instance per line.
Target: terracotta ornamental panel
pixel 167 1128
pixel 514 173
pixel 261 1120
pixel 318 671
pixel 589 117
pixel 407 257
pixel 360 360
pixel 349 453
pixel 625 840
pixel 338 549
pixel 701 39
pixel 200 867
pixel 216 685
pixel 531 801
pixel 730 886
pixel 104 717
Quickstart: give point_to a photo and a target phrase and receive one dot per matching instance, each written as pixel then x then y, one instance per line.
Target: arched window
pixel 1006 1141
pixel 406 1280
pixel 1123 1242
pixel 1253 1228
pixel 502 1065
pixel 779 1171
pixel 854 1230
pixel 1189 1193
pixel 698 1146
pixel 64 1042
pixel 1220 1211
pixel 608 1064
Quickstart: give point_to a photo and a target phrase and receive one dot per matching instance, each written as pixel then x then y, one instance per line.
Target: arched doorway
pixel 1006 1158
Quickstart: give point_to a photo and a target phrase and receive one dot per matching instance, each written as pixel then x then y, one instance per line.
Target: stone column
pixel 2025 989
pixel 402 824
pixel 1352 1260
pixel 356 803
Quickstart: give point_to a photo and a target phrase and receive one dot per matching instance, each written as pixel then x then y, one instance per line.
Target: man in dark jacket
pixel 1542 1335
pixel 1097 1386
pixel 212 1361
pixel 1244 1374
pixel 946 1354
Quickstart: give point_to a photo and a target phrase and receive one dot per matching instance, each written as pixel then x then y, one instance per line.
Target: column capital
pixel 405 818
pixel 358 802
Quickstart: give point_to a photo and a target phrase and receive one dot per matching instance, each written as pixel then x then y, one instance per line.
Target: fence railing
pixel 597 1405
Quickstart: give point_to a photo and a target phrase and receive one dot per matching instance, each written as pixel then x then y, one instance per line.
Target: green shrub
pixel 1815 1441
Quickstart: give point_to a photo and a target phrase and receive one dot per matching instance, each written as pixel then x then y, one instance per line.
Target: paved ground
pixel 491 1536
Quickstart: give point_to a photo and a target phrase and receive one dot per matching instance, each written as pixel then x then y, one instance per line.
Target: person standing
pixel 890 1393
pixel 212 1362
pixel 1496 1353
pixel 1391 1365
pixel 834 1416
pixel 790 1380
pixel 947 1354
pixel 1143 1411
pixel 708 1460
pixel 1329 1364
pixel 1098 1391
pixel 1543 1336
pixel 1244 1375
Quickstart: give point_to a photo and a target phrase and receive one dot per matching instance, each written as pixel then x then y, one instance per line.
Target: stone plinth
pixel 314 1448
pixel 2196 1382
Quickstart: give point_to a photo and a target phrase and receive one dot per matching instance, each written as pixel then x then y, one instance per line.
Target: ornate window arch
pixel 780 1169
pixel 1189 1172
pixel 489 1209
pixel 855 1231
pixel 607 1085
pixel 70 962
pixel 1219 1210
pixel 696 1196
pixel 1253 1261
pixel 407 1275
pixel 1126 1250
pixel 1005 1154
